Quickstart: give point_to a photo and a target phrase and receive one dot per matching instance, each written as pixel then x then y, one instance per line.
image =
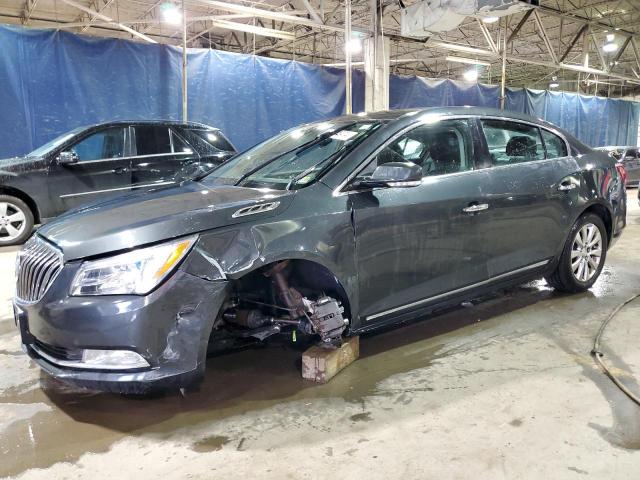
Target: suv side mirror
pixel 392 174
pixel 67 158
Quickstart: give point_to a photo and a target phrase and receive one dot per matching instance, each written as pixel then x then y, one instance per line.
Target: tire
pixel 569 276
pixel 16 221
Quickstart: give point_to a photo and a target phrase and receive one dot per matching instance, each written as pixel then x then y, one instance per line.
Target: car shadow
pixel 256 378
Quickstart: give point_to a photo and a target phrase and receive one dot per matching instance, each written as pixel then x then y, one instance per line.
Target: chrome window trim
pixel 337 192
pixel 133 157
pixel 457 290
pixel 119 189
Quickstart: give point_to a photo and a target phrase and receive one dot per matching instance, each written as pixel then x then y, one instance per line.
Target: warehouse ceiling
pixel 561 40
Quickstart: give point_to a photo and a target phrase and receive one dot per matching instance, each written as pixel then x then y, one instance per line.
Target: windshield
pixel 56 142
pixel 293 158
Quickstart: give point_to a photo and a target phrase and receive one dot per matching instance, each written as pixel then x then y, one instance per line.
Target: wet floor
pixel 503 388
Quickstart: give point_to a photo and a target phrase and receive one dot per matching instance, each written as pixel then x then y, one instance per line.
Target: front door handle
pixel 120 170
pixel 566 186
pixel 475 208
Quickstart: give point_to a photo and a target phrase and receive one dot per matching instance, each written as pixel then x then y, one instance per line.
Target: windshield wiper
pixel 298 149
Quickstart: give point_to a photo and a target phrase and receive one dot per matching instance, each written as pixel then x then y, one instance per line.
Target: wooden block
pixel 321 365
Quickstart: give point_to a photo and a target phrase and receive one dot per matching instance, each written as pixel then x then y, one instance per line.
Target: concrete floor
pixel 501 390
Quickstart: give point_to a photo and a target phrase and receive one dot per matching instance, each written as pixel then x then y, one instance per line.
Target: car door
pixel 631 162
pixel 416 244
pixel 210 143
pixel 160 156
pixel 533 185
pixel 101 168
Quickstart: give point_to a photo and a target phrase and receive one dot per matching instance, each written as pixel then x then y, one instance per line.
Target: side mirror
pixel 392 174
pixel 67 158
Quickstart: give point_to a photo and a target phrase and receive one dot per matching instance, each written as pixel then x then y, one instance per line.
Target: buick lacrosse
pixel 327 230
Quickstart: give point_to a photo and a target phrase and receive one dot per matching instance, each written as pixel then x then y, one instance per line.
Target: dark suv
pixel 96 162
pixel 329 229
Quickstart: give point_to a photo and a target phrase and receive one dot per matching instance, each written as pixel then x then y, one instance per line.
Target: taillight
pixel 622 172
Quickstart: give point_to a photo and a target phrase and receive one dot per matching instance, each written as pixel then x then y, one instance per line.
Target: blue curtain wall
pixel 54 81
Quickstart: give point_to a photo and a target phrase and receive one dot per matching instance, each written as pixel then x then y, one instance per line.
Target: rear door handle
pixel 566 186
pixel 120 170
pixel 478 207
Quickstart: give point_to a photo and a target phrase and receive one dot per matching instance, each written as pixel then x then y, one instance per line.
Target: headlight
pixel 136 272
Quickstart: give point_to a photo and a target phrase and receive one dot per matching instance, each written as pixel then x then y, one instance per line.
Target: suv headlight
pixel 136 272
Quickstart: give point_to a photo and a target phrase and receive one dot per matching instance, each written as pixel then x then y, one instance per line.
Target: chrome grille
pixel 38 265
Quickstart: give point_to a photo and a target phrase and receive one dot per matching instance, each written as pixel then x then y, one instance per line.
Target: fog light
pixel 113 359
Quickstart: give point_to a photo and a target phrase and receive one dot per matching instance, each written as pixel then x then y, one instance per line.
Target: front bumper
pixel 169 328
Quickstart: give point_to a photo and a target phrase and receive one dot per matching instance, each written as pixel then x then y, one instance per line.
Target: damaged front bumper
pixel 166 333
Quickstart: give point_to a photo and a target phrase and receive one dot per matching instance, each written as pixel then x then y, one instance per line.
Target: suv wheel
pixel 583 256
pixel 16 221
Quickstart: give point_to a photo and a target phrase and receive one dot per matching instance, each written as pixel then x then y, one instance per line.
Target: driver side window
pixel 108 143
pixel 439 148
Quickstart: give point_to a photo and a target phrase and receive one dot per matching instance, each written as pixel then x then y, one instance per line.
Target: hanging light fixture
pixel 471 75
pixel 354 45
pixel 610 46
pixel 171 13
pixel 554 82
pixel 490 19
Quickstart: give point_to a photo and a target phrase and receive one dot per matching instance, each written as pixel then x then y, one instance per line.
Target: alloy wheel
pixel 12 222
pixel 586 252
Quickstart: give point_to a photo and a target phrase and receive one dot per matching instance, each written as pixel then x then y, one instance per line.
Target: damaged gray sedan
pixel 329 229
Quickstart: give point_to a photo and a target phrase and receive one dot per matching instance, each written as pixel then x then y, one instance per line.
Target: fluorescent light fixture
pixel 610 47
pixel 171 13
pixel 490 19
pixel 471 75
pixel 354 45
pixel 469 61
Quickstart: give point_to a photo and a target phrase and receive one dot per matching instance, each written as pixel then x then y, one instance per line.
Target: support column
pixel 376 72
pixel 184 64
pixel 503 75
pixel 347 37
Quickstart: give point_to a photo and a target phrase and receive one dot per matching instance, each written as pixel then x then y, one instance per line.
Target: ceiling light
pixel 610 37
pixel 610 47
pixel 171 13
pixel 354 45
pixel 471 75
pixel 554 83
pixel 490 19
pixel 469 61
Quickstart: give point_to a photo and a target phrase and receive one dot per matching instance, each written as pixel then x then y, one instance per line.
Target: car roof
pixel 390 115
pixel 176 123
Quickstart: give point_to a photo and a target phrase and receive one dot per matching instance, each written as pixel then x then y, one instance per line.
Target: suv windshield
pixel 52 144
pixel 293 158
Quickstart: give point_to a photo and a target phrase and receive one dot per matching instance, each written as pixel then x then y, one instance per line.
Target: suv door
pixel 102 169
pixel 160 154
pixel 211 145
pixel 417 244
pixel 533 185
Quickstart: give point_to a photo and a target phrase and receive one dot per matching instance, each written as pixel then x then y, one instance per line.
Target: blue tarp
pixel 594 120
pixel 52 81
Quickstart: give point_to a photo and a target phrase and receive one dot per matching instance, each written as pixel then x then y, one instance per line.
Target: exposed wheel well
pixel 604 214
pixel 25 198
pixel 306 275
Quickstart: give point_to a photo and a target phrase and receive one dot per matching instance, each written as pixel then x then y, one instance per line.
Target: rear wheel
pixel 16 220
pixel 583 256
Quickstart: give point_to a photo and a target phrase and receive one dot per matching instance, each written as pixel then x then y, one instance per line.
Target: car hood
pixel 13 166
pixel 138 219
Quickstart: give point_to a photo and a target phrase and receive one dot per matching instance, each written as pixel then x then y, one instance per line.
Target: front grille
pixel 39 263
pixel 60 353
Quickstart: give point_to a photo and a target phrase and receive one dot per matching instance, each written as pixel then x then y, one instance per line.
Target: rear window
pixel 207 141
pixel 152 140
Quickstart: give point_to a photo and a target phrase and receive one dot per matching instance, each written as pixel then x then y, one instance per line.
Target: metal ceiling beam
pixel 109 19
pixel 487 36
pixel 29 7
pixel 244 27
pixel 100 10
pixel 583 31
pixel 260 12
pixel 312 11
pixel 545 38
pixel 516 30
